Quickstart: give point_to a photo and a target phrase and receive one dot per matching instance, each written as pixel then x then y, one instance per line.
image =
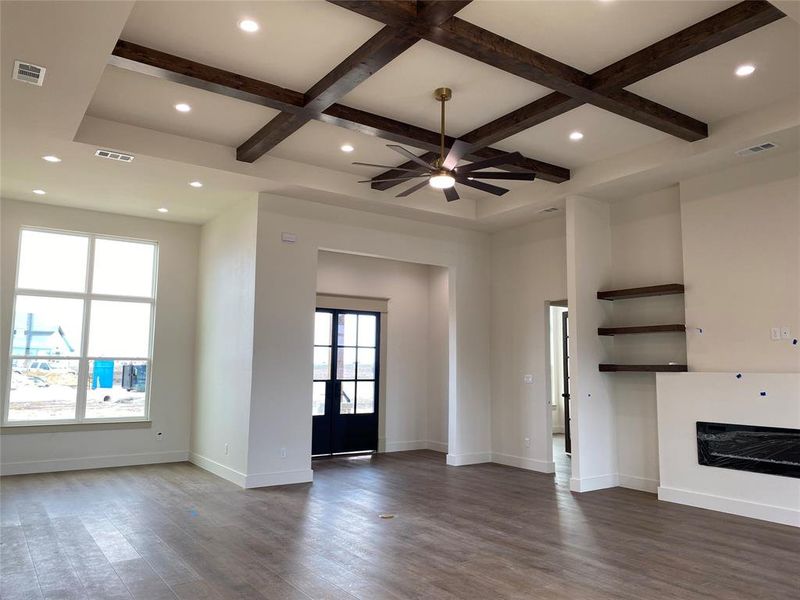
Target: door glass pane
pixel 123 268
pixel 348 324
pixel 52 261
pixel 43 389
pixel 120 329
pixel 47 326
pixel 365 401
pixel 322 328
pixel 322 363
pixel 366 330
pixel 116 389
pixel 347 402
pixel 318 399
pixel 346 369
pixel 366 363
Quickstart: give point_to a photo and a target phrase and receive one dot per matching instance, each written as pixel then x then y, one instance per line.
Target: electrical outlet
pixel 159 436
pixel 785 333
pixel 775 333
pixel 283 452
pixel 227 449
pixel 527 442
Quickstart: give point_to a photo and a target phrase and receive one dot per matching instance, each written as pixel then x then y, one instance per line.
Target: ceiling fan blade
pixel 501 175
pixel 479 185
pixel 501 159
pixel 412 189
pixel 385 167
pixel 408 155
pixel 451 194
pixel 404 178
pixel 458 150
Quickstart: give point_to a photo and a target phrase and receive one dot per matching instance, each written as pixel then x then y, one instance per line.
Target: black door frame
pixel 322 432
pixel 565 373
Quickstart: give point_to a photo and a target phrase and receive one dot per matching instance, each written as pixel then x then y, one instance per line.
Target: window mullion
pixel 83 364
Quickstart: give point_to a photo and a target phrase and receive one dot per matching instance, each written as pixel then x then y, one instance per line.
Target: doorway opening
pixel 346 373
pixel 560 390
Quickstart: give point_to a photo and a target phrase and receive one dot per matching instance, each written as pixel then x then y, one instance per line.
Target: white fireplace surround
pixel 684 399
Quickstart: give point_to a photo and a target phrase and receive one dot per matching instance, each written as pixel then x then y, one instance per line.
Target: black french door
pixel 346 371
pixel 565 371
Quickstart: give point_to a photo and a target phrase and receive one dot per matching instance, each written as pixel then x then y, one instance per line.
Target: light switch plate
pixel 527 378
pixel 775 333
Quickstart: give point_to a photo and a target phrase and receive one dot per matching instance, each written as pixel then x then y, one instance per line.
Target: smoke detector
pixel 756 149
pixel 28 73
pixel 111 155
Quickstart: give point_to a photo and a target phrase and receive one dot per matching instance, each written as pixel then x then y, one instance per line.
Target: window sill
pixel 46 428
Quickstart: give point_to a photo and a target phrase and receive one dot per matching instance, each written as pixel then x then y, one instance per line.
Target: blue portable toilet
pixel 103 374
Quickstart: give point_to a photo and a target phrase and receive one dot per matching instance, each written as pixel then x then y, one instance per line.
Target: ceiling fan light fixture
pixel 441 179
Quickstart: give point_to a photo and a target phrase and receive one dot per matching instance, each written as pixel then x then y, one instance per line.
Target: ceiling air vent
pixel 28 73
pixel 111 155
pixel 756 149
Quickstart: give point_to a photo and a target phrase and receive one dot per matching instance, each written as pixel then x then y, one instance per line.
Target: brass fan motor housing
pixel 443 94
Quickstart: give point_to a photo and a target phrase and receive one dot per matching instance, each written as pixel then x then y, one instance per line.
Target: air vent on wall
pixel 28 73
pixel 111 155
pixel 549 210
pixel 756 149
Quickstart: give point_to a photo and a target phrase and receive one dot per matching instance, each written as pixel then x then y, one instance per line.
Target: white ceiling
pixel 128 111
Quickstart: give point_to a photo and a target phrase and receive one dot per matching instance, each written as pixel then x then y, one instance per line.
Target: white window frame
pixel 82 357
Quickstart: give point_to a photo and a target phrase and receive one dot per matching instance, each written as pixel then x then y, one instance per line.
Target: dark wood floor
pixel 482 532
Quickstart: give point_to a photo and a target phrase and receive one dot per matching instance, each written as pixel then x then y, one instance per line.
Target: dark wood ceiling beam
pixel 147 61
pixel 270 135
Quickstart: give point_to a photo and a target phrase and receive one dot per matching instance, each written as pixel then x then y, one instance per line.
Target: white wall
pixel 684 399
pixel 226 297
pixel 438 357
pixel 742 265
pixel 173 352
pixel 286 282
pixel 645 250
pixel 411 362
pixel 593 416
pixel 528 269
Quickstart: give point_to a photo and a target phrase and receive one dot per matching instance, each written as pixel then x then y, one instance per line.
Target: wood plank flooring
pixel 477 532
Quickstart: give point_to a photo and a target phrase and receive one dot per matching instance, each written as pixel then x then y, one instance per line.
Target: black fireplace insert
pixel 772 450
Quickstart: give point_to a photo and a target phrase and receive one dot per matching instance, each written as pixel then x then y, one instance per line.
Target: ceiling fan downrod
pixel 442 94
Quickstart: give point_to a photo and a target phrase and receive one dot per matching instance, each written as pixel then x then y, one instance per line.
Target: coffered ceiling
pixel 87 102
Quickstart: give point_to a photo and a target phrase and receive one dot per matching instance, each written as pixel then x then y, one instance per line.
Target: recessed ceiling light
pixel 39 192
pixel 347 148
pixel 575 136
pixel 183 107
pixel 745 70
pixel 51 158
pixel 163 210
pixel 196 184
pixel 248 25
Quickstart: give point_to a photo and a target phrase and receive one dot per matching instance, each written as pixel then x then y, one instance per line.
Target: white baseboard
pixel 589 484
pixel 91 462
pixel 642 484
pixel 258 480
pixel 744 508
pixel 438 446
pixel 531 464
pixel 472 458
pixel 218 469
pixel 404 446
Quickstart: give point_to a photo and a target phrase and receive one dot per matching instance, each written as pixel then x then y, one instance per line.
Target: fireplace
pixel 772 450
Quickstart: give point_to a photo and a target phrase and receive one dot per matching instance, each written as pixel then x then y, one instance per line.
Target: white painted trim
pixel 218 469
pixel 734 506
pixel 589 484
pixel 437 446
pixel 91 462
pixel 473 458
pixel 642 484
pixel 279 478
pixel 531 464
pixel 404 446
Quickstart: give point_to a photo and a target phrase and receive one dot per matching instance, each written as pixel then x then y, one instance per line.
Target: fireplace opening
pixel 771 450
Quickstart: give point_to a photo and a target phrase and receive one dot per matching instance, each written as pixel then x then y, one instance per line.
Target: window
pixel 82 330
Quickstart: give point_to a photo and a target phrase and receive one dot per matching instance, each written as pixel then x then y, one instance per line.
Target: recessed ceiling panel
pixel 296 45
pixel 706 86
pixel 604 134
pixel 588 35
pixel 150 102
pixel 404 88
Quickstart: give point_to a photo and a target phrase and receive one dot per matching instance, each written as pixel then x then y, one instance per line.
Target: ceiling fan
pixel 444 173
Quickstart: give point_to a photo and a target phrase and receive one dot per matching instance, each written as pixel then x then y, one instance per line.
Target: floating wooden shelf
pixel 676 327
pixel 609 368
pixel 642 292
